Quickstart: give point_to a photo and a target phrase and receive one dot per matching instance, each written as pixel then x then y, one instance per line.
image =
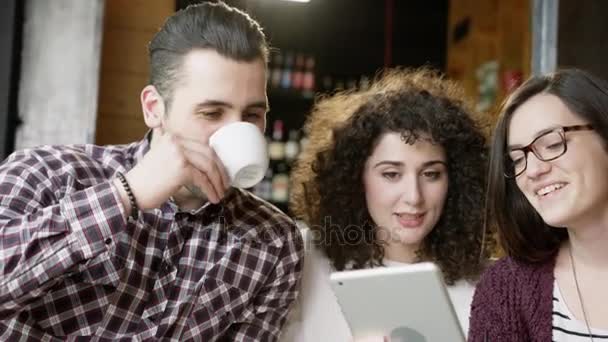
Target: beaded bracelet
pixel 125 184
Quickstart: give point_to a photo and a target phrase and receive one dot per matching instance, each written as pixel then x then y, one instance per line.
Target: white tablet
pixel 405 303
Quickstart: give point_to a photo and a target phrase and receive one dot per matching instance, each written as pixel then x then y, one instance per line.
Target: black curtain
pixel 11 30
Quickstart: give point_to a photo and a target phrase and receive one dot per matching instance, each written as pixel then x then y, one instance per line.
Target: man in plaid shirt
pixel 147 241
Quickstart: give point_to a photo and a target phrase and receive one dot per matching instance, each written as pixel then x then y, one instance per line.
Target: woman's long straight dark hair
pixel 522 232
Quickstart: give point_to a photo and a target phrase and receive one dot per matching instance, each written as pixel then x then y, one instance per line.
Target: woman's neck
pixel 590 245
pixel 401 253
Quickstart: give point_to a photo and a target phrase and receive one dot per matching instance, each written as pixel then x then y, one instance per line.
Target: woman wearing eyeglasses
pixel 548 198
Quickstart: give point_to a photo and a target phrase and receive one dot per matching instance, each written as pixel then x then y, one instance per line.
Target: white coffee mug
pixel 241 147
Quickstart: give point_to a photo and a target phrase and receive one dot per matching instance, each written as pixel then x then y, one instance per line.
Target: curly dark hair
pixel 344 129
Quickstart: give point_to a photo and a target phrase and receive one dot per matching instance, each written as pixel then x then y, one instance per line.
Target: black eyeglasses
pixel 546 147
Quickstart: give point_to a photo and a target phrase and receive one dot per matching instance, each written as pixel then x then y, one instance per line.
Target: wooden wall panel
pixel 119 130
pixel 138 14
pixel 484 31
pixel 128 27
pixel 125 50
pixel 119 94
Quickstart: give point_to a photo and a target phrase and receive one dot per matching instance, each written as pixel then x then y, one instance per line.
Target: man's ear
pixel 153 106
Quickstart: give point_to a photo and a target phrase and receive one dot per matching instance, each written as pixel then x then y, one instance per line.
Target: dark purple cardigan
pixel 513 302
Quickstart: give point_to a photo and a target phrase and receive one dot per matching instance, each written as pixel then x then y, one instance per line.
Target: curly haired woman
pixel 393 175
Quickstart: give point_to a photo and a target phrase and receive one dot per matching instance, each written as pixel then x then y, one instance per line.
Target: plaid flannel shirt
pixel 72 266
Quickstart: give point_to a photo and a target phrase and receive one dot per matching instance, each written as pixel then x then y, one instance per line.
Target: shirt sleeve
pixel 43 233
pixel 273 302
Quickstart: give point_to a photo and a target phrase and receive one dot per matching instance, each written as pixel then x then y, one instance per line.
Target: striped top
pixel 566 328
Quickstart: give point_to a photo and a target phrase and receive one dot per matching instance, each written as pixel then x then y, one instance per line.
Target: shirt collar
pixel 135 151
pixel 142 147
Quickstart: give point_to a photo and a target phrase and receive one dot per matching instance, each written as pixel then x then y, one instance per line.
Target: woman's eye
pixel 432 174
pixel 556 146
pixel 390 175
pixel 518 161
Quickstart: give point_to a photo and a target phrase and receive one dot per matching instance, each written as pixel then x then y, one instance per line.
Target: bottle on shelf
pixel 303 143
pixel 264 188
pixel 297 77
pixel 287 71
pixel 276 147
pixel 339 85
pixel 279 184
pixel 276 70
pixel 364 82
pixel 327 84
pixel 308 82
pixel 292 147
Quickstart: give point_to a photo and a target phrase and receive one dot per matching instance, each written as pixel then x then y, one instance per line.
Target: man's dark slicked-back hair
pixel 215 26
